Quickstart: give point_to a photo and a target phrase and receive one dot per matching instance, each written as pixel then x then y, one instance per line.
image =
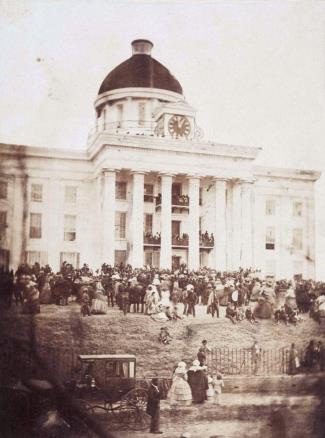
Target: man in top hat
pixel 153 406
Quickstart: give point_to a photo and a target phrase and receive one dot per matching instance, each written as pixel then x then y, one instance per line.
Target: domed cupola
pixel 141 70
pixel 141 97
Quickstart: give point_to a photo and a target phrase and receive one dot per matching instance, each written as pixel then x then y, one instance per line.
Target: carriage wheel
pixel 136 403
pixel 137 397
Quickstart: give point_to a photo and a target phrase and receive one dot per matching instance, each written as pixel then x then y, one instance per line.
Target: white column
pixel 309 237
pixel 54 218
pixel 247 234
pixel 137 220
pixel 194 223
pixel 166 225
pixel 285 269
pixel 108 211
pixel 220 230
pixel 236 225
pixel 19 230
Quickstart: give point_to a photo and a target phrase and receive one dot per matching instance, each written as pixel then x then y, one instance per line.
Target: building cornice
pixel 23 151
pixel 283 173
pixel 173 145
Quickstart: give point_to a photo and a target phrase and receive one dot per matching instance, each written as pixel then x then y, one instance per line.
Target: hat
pixel 185 435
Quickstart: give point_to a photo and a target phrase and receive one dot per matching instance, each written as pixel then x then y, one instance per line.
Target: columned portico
pixel 247 237
pixel 108 208
pixel 194 223
pixel 166 227
pixel 137 220
pixel 220 229
pixel 19 220
pixel 236 224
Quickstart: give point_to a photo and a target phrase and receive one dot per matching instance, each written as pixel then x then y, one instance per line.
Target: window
pixel 119 108
pixel 200 196
pixel 37 192
pixel 33 257
pixel 176 189
pixel 148 258
pixel 297 209
pixel 70 257
pixel 3 219
pixel 148 193
pixel 142 113
pixel 3 190
pixel 3 224
pixel 120 257
pixel 270 238
pixel 148 223
pixel 120 225
pixel 270 207
pixel 297 238
pixel 35 227
pixel 4 258
pixel 176 228
pixel 70 194
pixel 69 227
pixel 120 190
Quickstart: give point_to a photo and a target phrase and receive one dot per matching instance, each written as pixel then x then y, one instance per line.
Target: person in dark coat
pixel 153 406
pixel 198 381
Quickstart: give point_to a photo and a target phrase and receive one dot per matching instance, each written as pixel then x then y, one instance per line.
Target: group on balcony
pixel 152 239
pixel 182 200
pixel 206 239
pixel 181 240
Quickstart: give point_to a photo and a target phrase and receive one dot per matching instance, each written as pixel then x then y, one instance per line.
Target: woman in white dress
pixel 180 391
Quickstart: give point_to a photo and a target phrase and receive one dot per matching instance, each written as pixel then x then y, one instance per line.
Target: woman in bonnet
pixel 180 391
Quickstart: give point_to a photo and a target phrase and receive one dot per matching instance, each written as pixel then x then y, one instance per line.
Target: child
pixel 218 385
pixel 210 390
pixel 164 336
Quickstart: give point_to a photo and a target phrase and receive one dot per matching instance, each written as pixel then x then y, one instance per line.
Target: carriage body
pixel 114 375
pixel 108 384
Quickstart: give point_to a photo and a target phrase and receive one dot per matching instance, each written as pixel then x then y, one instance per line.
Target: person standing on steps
pixel 153 406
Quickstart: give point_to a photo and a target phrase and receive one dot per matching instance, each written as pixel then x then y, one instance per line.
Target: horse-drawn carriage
pixel 108 385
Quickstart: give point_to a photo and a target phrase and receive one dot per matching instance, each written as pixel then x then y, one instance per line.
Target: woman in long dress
pixel 180 391
pixel 198 382
pixel 46 294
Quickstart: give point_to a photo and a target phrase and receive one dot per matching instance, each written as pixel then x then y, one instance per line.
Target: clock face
pixel 179 126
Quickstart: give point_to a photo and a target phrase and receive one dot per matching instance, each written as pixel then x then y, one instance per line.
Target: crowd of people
pixel 159 293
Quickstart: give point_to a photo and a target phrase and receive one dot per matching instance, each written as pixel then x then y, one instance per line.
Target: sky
pixel 254 70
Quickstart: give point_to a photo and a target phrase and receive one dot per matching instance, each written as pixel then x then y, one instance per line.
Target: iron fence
pixel 63 364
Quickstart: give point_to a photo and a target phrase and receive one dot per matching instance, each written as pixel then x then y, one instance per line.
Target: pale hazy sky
pixel 254 70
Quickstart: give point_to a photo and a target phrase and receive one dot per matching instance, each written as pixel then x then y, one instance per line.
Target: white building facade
pixel 150 191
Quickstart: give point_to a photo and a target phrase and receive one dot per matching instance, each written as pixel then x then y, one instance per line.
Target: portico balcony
pixel 206 241
pixel 151 240
pixel 180 241
pixel 179 203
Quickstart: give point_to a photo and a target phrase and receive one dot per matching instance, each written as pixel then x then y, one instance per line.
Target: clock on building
pixel 179 126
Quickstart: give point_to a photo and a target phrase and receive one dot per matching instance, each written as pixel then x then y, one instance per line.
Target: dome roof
pixel 141 70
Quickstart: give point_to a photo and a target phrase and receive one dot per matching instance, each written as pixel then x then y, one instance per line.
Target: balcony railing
pixel 206 240
pixel 150 239
pixel 177 201
pixel 180 240
pixel 148 198
pixel 132 127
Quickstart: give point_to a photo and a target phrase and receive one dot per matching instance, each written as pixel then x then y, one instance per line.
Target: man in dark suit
pixel 153 406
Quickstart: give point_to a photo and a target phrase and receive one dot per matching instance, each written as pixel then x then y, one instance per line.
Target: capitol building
pixel 150 190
